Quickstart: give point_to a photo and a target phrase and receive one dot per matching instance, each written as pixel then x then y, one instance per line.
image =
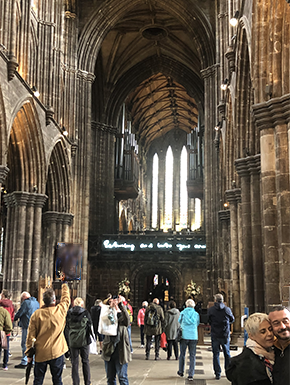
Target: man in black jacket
pixel 95 313
pixel 79 325
pixel 220 317
pixel 280 321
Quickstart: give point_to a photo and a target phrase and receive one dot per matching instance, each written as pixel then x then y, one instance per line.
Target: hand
pixel 29 359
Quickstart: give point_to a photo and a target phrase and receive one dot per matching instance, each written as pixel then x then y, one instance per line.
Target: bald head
pixel 25 295
pixel 156 301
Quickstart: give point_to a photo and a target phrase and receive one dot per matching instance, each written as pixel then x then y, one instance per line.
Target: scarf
pixel 267 355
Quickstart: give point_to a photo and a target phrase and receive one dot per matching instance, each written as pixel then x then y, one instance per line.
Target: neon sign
pixel 135 245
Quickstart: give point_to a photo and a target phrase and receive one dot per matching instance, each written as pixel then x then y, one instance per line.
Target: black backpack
pixel 152 318
pixel 79 332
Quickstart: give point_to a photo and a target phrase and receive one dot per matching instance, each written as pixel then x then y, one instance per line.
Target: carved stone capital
pixel 12 66
pixel 249 165
pixel 272 113
pixel 57 217
pixel 70 15
pixel 68 218
pixel 233 196
pixel 104 127
pixel 3 173
pixel 231 55
pixel 86 76
pixel 74 148
pixel 222 110
pixel 224 215
pixel 209 71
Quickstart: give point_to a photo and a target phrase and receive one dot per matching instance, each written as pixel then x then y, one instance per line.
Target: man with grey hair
pixel 28 306
pixel 46 329
pixel 153 323
pixel 280 321
pixel 220 317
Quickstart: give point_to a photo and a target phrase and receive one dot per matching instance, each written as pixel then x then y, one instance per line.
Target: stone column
pixel 66 223
pixel 254 166
pixel 3 174
pixel 232 196
pixel 224 217
pixel 245 180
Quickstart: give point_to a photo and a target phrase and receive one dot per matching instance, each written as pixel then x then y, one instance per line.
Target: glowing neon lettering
pixel 146 246
pixel 200 246
pixel 182 247
pixel 116 245
pixel 164 245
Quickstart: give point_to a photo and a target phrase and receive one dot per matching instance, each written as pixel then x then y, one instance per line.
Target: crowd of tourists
pixel 59 331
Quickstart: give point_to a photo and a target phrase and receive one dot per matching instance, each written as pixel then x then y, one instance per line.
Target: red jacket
pixel 8 305
pixel 141 316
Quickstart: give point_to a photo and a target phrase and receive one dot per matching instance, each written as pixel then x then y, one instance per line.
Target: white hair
pixel 190 303
pixel 25 295
pixel 145 303
pixel 254 321
pixel 79 302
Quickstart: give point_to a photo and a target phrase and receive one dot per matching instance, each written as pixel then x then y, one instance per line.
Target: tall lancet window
pixel 155 191
pixel 168 188
pixel 183 189
pixel 197 214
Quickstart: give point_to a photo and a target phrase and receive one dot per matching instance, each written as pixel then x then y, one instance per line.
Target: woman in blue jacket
pixel 189 321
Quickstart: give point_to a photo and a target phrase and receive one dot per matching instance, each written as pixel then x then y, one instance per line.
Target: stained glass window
pixel 155 191
pixel 183 189
pixel 168 188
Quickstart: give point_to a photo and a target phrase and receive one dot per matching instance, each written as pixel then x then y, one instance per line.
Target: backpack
pixel 152 319
pixel 78 333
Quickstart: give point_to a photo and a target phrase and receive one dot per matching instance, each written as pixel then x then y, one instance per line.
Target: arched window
pixel 155 191
pixel 168 188
pixel 183 189
pixel 197 222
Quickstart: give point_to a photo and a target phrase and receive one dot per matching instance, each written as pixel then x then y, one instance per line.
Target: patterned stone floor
pixel 140 372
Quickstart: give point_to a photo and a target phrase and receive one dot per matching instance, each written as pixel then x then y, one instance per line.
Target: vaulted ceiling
pixel 151 59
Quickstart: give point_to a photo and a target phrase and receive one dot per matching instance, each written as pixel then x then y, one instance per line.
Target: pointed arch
pixel 155 175
pixel 169 189
pixel 183 188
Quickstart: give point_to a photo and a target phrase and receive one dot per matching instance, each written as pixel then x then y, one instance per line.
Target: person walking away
pixel 153 324
pixel 280 321
pixel 220 317
pixel 28 306
pixel 116 349
pixel 254 366
pixel 171 325
pixel 6 303
pixel 5 326
pixel 46 329
pixel 189 320
pixel 79 325
pixel 140 321
pixel 95 314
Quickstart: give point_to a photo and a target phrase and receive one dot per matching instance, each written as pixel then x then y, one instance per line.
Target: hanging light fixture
pixel 234 20
pixel 218 126
pixel 224 84
pixel 35 92
pixel 64 131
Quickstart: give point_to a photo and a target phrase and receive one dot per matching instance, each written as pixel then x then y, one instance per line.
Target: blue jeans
pixel 130 339
pixel 114 368
pixel 56 368
pixel 191 344
pixel 216 343
pixel 23 346
pixel 6 354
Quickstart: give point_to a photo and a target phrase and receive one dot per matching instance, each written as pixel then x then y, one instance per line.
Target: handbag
pixel 108 324
pixel 3 340
pixel 163 341
pixel 178 337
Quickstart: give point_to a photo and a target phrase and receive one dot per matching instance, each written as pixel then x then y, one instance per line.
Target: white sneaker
pixel 142 346
pixel 64 366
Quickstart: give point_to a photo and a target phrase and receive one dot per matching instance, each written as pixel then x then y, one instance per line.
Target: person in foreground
pixel 140 321
pixel 116 349
pixel 220 317
pixel 46 327
pixel 79 325
pixel 254 366
pixel 153 324
pixel 171 326
pixel 5 325
pixel 7 304
pixel 189 321
pixel 280 321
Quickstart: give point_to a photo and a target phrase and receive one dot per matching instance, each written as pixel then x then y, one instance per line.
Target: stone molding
pixel 104 127
pixel 86 76
pixel 231 58
pixel 224 215
pixel 70 15
pixel 209 71
pixel 4 170
pixel 23 198
pixel 272 113
pixel 56 217
pixel 233 196
pixel 248 166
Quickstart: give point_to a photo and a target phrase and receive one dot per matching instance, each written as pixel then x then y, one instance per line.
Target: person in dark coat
pixel 171 325
pixel 280 321
pixel 220 317
pixel 254 366
pixel 79 319
pixel 153 311
pixel 95 313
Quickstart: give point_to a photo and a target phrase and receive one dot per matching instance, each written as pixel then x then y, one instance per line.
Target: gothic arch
pixel 58 180
pixel 122 222
pixel 104 18
pixel 26 157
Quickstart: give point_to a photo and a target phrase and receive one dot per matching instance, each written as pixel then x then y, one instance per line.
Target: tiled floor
pixel 140 372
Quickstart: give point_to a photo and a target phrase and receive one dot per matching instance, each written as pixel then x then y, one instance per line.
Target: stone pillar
pixel 233 196
pixel 224 217
pixel 66 223
pixel 245 180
